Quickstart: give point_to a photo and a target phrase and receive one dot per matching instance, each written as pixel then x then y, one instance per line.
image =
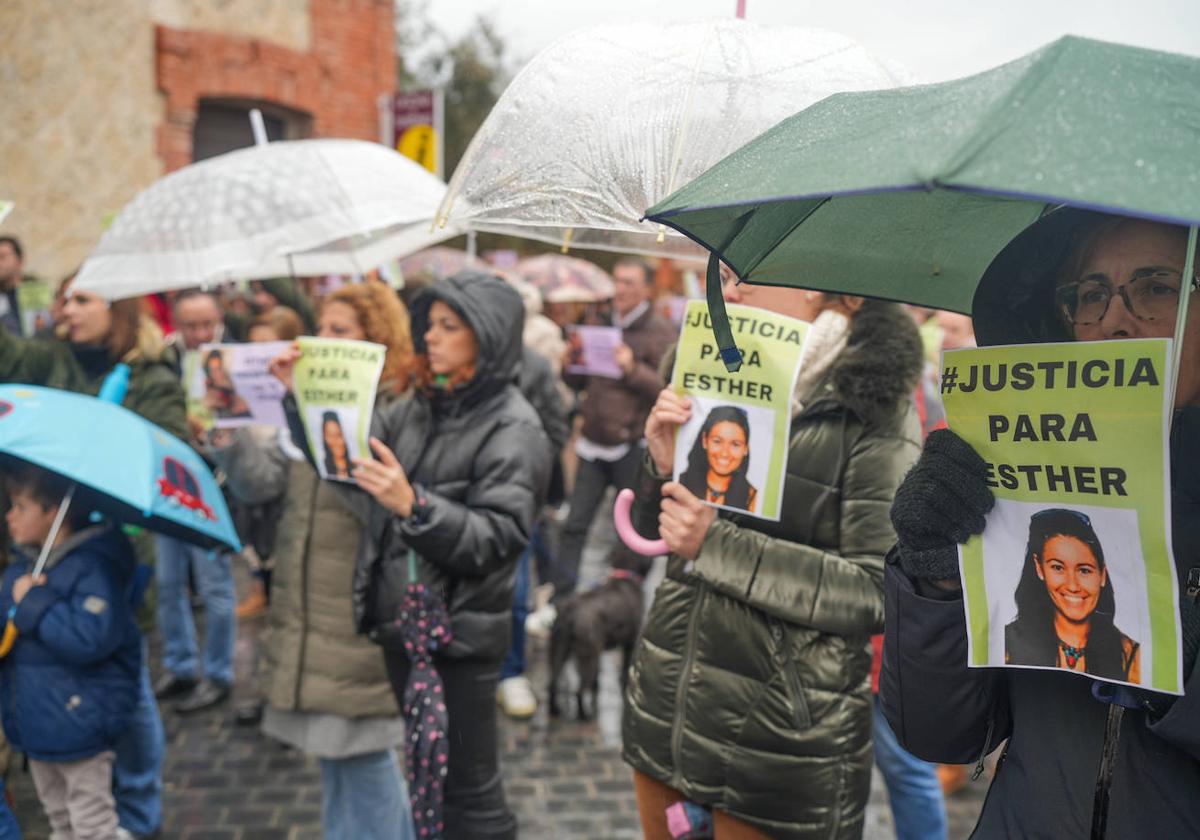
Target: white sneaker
pixel 540 622
pixel 515 698
pixel 542 595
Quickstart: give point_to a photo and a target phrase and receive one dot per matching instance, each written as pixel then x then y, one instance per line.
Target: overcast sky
pixel 933 39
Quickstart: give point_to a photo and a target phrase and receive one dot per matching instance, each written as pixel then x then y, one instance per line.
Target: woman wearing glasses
pixel 1080 755
pixel 1065 603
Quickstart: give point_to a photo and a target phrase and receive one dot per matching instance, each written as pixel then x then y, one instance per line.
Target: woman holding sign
pixel 326 689
pixel 460 476
pixel 1079 754
pixel 749 691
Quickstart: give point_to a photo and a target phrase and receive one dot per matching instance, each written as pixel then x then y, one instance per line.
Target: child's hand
pixel 23 584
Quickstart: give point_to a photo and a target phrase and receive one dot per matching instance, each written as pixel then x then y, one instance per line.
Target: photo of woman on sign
pixel 337 453
pixel 1065 603
pixel 719 460
pixel 220 397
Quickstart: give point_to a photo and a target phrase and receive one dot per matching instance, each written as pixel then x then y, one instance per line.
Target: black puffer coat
pixel 942 710
pixel 481 462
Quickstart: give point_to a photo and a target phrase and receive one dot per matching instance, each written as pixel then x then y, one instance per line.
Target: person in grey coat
pixel 1082 758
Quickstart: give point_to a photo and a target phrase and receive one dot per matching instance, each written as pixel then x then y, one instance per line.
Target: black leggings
pixel 474 804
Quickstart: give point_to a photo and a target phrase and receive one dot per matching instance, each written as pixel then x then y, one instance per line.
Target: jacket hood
pixel 494 312
pixel 287 293
pixel 1014 302
pixel 881 363
pixel 105 539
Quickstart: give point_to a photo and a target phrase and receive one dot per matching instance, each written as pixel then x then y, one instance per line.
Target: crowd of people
pixel 778 660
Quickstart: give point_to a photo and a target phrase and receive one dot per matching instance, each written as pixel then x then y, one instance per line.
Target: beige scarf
pixel 826 340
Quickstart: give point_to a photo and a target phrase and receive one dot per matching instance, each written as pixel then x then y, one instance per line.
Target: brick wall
pixel 337 82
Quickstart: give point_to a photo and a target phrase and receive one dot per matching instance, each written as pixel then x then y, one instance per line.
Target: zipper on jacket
pixel 801 715
pixel 312 521
pixel 987 740
pixel 978 772
pixel 685 675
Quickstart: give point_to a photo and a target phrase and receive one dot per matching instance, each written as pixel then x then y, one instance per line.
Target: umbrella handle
pixel 10 633
pixel 628 534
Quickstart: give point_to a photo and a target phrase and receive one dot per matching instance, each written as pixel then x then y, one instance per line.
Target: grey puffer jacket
pixel 750 688
pixel 942 710
pixel 480 463
pixel 313 658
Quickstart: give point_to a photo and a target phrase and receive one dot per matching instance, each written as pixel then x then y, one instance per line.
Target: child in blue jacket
pixel 70 683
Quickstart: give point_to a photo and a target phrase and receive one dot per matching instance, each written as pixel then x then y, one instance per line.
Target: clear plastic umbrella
pixel 299 207
pixel 607 121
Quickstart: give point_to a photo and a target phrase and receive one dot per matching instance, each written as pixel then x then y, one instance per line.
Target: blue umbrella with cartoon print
pixel 118 464
pixel 123 466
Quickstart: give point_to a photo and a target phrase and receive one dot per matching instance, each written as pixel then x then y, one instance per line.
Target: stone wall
pixel 100 100
pixel 337 82
pixel 282 22
pixel 78 132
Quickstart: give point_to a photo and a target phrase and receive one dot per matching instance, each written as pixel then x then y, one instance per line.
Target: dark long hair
pixel 1031 638
pixel 695 477
pixel 330 463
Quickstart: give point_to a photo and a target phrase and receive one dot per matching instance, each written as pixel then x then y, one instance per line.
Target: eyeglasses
pixel 1151 294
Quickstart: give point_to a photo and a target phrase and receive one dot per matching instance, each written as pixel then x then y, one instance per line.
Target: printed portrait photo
pixel 722 454
pixel 220 396
pixel 1066 589
pixel 334 431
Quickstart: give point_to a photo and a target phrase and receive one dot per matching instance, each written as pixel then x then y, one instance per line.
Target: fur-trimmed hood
pixel 881 364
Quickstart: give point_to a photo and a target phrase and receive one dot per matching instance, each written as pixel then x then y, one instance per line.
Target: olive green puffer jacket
pixel 154 390
pixel 750 688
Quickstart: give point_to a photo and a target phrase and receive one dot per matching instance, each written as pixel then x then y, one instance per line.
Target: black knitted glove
pixel 941 502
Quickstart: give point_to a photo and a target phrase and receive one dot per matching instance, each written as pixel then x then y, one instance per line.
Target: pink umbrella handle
pixel 627 533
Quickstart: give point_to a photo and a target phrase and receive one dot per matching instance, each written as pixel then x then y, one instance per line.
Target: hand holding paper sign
pixel 941 502
pixel 385 480
pixel 623 356
pixel 669 413
pixel 283 366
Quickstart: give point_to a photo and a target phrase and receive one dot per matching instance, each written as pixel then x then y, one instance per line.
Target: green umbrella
pixel 909 193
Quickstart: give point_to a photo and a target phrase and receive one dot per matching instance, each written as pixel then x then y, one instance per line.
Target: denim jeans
pixel 9 830
pixel 213 576
pixel 137 770
pixel 514 662
pixel 592 479
pixel 364 797
pixel 918 809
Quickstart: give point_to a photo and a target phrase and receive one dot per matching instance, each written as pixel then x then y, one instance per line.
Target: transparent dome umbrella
pixel 563 279
pixel 608 120
pixel 909 194
pixel 295 207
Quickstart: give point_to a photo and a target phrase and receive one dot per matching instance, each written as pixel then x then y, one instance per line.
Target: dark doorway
pixel 223 126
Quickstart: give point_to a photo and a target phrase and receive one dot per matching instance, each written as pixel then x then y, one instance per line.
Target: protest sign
pixel 234 385
pixel 335 382
pixel 34 299
pixel 1074 568
pixel 591 351
pixel 193 383
pixel 733 451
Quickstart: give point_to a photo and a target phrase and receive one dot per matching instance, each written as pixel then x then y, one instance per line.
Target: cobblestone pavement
pixel 564 779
